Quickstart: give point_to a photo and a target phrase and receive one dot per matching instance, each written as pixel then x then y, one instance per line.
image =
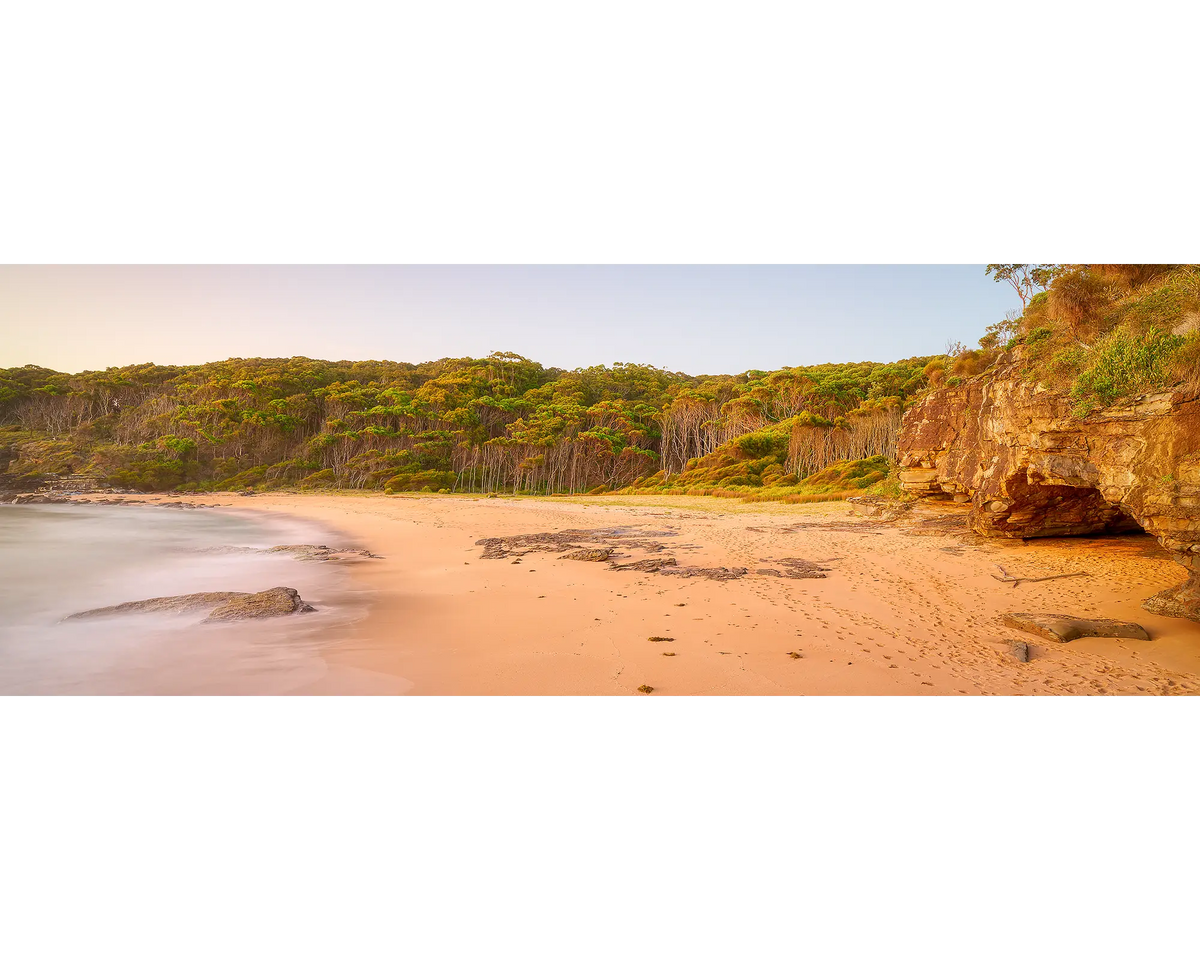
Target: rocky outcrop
pixel 1029 468
pixel 276 602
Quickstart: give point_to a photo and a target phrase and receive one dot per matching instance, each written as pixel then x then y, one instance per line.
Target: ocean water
pixel 59 559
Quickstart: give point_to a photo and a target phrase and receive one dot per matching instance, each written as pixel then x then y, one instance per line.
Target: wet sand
pixel 908 608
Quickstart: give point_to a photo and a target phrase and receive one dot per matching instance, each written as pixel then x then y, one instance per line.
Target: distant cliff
pixel 1030 468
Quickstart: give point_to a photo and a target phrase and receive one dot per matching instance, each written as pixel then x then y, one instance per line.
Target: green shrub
pixel 425 481
pixel 1125 362
pixel 322 478
pixel 764 443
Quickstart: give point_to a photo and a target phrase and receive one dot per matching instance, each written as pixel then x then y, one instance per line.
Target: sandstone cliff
pixel 1030 469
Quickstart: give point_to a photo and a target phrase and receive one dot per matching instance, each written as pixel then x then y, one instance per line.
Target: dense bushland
pixel 502 423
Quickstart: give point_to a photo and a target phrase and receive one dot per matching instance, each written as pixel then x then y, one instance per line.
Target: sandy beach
pixel 903 608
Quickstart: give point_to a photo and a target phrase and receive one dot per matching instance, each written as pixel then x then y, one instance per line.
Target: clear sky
pixel 695 319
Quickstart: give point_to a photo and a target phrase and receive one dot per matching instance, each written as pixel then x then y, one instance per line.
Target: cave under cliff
pixel 1030 468
pixel 1038 507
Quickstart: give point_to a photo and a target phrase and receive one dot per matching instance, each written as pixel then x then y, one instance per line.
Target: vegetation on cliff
pixel 1103 332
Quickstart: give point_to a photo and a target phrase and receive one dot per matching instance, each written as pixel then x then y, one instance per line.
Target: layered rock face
pixel 1030 469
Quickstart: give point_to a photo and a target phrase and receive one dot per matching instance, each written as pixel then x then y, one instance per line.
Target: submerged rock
pixel 299 551
pixel 278 601
pixel 310 551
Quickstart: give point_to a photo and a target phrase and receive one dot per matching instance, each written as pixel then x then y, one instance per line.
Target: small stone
pixel 1020 650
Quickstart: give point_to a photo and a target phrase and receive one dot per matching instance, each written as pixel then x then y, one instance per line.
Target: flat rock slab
pixel 275 602
pixel 181 604
pixel 1062 629
pixel 593 554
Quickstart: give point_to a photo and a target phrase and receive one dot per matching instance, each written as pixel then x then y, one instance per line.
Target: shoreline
pixel 896 614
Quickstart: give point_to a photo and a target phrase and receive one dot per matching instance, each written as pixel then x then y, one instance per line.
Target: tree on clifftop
pixel 1025 278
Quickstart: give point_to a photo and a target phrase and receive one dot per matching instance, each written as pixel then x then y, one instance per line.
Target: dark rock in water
pixel 1062 629
pixel 277 602
pixel 1020 650
pixel 226 605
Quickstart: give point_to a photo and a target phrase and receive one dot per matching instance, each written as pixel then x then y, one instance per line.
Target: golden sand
pixel 897 613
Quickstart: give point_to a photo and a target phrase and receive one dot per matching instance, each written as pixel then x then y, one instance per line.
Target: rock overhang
pixel 1030 469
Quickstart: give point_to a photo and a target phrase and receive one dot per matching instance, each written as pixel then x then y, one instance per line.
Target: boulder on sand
pixel 1062 629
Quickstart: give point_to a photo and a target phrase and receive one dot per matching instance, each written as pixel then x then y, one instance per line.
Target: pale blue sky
pixel 696 319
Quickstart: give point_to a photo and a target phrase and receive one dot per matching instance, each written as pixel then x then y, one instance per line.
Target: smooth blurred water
pixel 59 559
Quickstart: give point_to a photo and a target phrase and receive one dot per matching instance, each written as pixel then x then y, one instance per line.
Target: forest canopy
pixel 501 423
